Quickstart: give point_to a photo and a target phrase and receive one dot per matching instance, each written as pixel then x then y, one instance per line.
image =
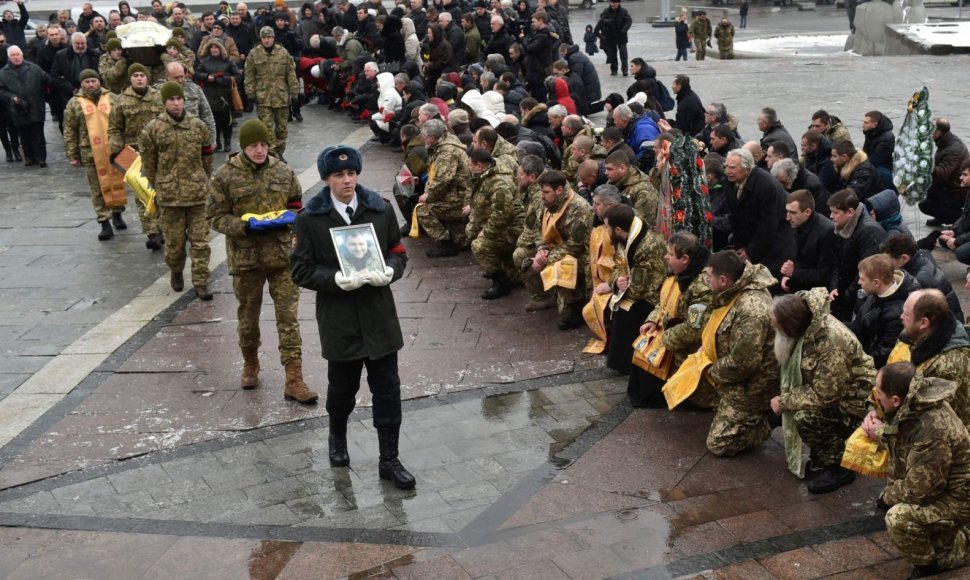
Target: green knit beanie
pixel 174 43
pixel 113 44
pixel 88 73
pixel 172 89
pixel 252 131
pixel 137 68
pixel 177 31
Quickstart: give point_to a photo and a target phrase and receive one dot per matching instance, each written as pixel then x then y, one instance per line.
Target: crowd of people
pixel 771 281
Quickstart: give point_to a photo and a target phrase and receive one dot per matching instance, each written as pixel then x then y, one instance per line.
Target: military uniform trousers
pixel 568 302
pixel 385 387
pixel 495 256
pixel 700 48
pixel 248 287
pixel 149 224
pixel 186 223
pixel 97 200
pixel 741 420
pixel 442 223
pixel 825 431
pixel 532 282
pixel 931 533
pixel 726 53
pixel 275 118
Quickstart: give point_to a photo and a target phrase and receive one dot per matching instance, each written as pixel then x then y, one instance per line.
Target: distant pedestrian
pixel 612 28
pixel 725 39
pixel 22 89
pixel 701 31
pixel 743 11
pixel 682 36
pixel 590 39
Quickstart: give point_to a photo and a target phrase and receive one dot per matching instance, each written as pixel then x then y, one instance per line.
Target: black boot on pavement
pixel 338 443
pixel 926 570
pixel 177 281
pixel 831 479
pixel 445 249
pixel 16 155
pixel 106 232
pixel 118 222
pixel 389 466
pixel 500 287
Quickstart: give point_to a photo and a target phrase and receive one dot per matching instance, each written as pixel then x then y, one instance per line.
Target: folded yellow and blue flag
pixel 273 220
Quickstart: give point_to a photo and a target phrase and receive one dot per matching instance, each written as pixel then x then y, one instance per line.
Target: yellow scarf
pixel 564 272
pixel 601 266
pixel 688 377
pixel 649 352
pixel 863 455
pixel 96 120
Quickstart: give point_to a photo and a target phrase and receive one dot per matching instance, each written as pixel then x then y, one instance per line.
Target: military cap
pixel 172 89
pixel 113 44
pixel 137 67
pixel 337 158
pixel 253 131
pixel 88 73
pixel 266 31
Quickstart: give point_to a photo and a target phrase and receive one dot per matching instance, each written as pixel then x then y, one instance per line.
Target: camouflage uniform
pixel 271 80
pixel 130 114
pixel 198 105
pixel 837 377
pixel 505 160
pixel 700 31
pixel 531 236
pixel 574 227
pixel 77 145
pixel 447 191
pixel 644 196
pixel 240 187
pixel 171 156
pixel 725 41
pixel 187 63
pixel 498 215
pixel 114 73
pixel 570 167
pixel 646 270
pixel 952 363
pixel 929 476
pixel 746 371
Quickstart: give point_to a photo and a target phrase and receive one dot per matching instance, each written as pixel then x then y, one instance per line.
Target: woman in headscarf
pixel 412 45
pixel 309 23
pixel 215 73
pixel 441 57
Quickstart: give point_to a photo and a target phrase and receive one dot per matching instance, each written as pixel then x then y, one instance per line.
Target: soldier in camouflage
pixel 634 184
pixel 836 379
pixel 195 104
pixel 254 181
pixel 444 212
pixel 113 67
pixel 501 150
pixel 573 126
pixel 135 108
pixel 77 143
pixel 584 147
pixel 172 149
pixel 928 491
pixel 494 224
pixel 745 374
pixel 527 176
pixel 937 344
pixel 564 229
pixel 270 79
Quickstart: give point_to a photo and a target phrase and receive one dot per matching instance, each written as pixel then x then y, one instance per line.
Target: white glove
pixel 352 282
pixel 381 279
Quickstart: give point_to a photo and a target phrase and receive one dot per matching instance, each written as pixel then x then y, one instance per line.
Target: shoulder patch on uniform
pixel 695 314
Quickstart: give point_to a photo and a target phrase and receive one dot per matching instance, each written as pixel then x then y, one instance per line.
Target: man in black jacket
pixel 817 151
pixel 772 130
pixel 690 110
pixel 906 256
pixel 501 39
pixel 614 22
pixel 758 227
pixel 958 237
pixel 879 143
pixel 856 237
pixel 538 47
pixel 14 28
pixel 814 236
pixel 66 72
pixel 945 197
pixel 855 170
pixel 355 312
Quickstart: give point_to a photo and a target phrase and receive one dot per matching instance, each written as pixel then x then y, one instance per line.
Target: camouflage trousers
pixel 569 302
pixel 186 223
pixel 248 287
pixel 700 48
pixel 531 281
pixel 149 224
pixel 825 432
pixel 275 119
pixel 930 533
pixel 97 200
pixel 439 222
pixel 495 256
pixel 740 422
pixel 726 53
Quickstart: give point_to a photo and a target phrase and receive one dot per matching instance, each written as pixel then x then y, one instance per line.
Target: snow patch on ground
pixel 801 45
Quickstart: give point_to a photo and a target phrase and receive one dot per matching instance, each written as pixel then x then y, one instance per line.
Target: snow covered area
pixel 946 33
pixel 797 45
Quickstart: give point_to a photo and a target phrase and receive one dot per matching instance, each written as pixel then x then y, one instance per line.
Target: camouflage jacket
pixel 646 270
pixel 505 159
pixel 271 77
pixel 929 449
pixel 198 105
pixel 187 63
pixel 952 362
pixel 724 36
pixel 574 227
pixel 700 28
pixel 496 211
pixel 77 142
pixel 114 73
pixel 682 335
pixel 130 114
pixel 531 235
pixel 570 167
pixel 835 368
pixel 745 340
pixel 644 196
pixel 448 175
pixel 171 157
pixel 240 187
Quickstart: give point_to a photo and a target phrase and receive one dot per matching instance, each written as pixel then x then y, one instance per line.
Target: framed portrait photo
pixel 357 249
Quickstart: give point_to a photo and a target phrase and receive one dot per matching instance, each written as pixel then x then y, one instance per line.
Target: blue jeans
pixel 744 21
pixel 681 54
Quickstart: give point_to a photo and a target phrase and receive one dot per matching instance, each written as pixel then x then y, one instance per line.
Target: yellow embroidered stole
pixel 562 273
pixel 900 353
pixel 601 266
pixel 96 120
pixel 649 352
pixel 863 455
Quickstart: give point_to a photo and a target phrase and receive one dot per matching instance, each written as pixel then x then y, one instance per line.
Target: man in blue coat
pixel 355 311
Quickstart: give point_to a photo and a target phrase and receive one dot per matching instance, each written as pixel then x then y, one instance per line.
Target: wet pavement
pixel 129 452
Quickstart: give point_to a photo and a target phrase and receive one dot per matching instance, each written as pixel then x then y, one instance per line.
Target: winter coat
pixel 853 243
pixel 270 77
pixel 472 41
pixel 876 320
pixel 613 26
pixel 690 112
pixel 724 33
pixel 474 100
pixel 495 102
pixel 758 221
pixel 777 132
pixel 240 187
pixel 171 157
pixel 560 94
pixel 361 323
pixel 945 354
pixel 929 452
pixel 700 28
pixel 67 67
pixel 456 37
pixel 820 163
pixel 114 73
pixel 590 40
pixel 499 44
pixel 218 91
pixel 879 143
pixel 28 82
pixel 129 115
pixel 388 100
pixel 244 37
pixel 681 35
pixel 805 179
pixel 580 64
pixel 836 371
pixel 929 275
pixel 309 26
pixel 412 45
pixel 813 258
pixel 538 49
pixel 961 228
pixel 859 175
pixel 441 56
pixel 640 135
pixel 14 30
pixel 885 205
pixel 393 49
pixel 950 155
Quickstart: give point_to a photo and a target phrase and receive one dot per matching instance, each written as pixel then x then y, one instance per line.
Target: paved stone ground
pixel 528 462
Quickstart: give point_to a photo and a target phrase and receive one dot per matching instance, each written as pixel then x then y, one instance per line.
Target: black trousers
pixel 611 57
pixel 8 135
pixel 942 205
pixel 33 141
pixel 384 383
pixel 624 330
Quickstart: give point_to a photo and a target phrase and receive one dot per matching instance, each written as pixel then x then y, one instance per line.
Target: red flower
pixel 700 163
pixel 673 171
pixel 708 216
pixel 676 193
pixel 679 216
pixel 704 189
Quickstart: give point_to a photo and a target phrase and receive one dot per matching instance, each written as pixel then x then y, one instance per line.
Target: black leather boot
pixel 106 232
pixel 338 443
pixel 390 466
pixel 500 287
pixel 118 222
